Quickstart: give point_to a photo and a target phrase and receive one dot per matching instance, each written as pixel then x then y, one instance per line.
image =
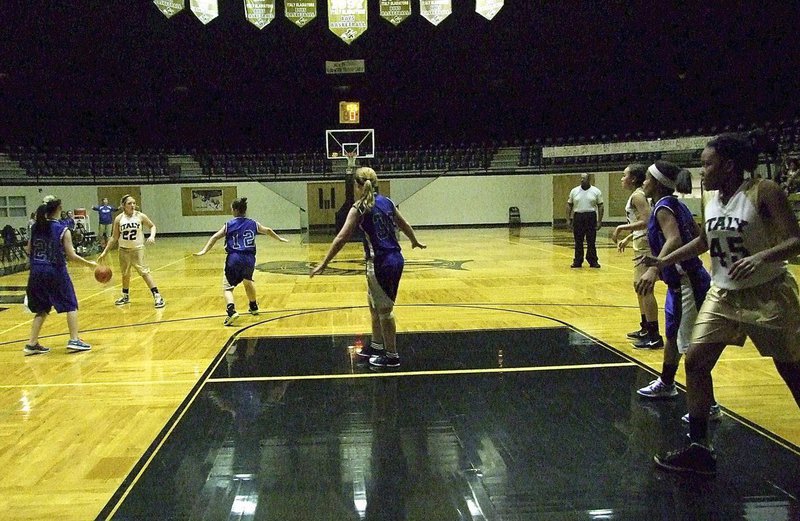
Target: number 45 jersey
pixel 240 235
pixel 736 230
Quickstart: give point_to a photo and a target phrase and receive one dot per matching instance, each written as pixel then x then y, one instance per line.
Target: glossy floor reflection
pixel 551 429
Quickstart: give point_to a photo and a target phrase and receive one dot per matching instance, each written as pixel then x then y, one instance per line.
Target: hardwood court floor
pixel 73 426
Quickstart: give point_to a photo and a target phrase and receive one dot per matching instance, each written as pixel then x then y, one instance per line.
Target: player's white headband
pixel 664 180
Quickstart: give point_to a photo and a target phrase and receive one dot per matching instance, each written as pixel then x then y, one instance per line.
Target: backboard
pixel 343 141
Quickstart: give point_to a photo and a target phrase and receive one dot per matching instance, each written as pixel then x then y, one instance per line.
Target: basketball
pixel 102 273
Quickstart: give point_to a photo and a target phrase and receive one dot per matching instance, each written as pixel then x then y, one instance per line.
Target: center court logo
pixel 356 267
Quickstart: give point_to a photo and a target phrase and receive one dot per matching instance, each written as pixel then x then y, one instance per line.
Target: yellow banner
pixel 204 10
pixel 259 12
pixel 169 7
pixel 395 11
pixel 347 19
pixel 435 10
pixel 488 8
pixel 300 13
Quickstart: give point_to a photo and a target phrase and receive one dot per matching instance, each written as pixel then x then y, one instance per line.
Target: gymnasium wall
pixel 439 201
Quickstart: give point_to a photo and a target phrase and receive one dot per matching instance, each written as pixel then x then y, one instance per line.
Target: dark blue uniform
pixel 240 243
pixel 381 246
pixel 698 277
pixel 49 284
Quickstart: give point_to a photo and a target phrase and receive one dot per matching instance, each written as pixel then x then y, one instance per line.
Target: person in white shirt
pixel 128 231
pixel 585 216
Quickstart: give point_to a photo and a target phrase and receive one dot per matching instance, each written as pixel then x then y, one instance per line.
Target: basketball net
pixel 351 161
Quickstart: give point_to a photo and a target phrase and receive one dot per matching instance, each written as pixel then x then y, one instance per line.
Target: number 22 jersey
pixel 131 233
pixel 736 230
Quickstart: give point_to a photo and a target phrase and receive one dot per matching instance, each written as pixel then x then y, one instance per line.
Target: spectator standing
pixel 105 212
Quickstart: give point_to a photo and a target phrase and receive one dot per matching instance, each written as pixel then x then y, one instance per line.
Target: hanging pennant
pixel 347 19
pixel 204 10
pixel 435 10
pixel 301 12
pixel 169 7
pixel 488 8
pixel 259 12
pixel 395 11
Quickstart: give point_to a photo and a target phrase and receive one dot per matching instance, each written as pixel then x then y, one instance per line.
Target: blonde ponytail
pixel 367 179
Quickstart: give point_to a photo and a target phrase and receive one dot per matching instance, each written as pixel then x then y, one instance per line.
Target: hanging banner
pixel 169 7
pixel 259 12
pixel 347 19
pixel 395 11
pixel 300 13
pixel 204 10
pixel 345 67
pixel 488 8
pixel 435 10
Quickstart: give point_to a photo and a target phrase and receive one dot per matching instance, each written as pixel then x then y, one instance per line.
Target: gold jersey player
pixel 750 232
pixel 129 233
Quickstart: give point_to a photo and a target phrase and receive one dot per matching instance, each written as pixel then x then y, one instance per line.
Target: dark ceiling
pixel 114 72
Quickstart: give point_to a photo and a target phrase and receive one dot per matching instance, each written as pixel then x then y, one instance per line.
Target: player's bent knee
pixel 386 314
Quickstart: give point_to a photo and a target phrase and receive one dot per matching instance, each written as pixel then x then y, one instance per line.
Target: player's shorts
pixel 640 249
pixel 681 307
pixel 383 279
pixel 50 287
pixel 132 258
pixel 238 267
pixel 769 314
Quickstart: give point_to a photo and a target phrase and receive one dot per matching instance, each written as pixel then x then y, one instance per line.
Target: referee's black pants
pixel 584 226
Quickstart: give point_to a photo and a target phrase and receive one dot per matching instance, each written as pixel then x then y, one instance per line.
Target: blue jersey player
pixel 378 217
pixel 49 284
pixel 240 244
pixel 672 225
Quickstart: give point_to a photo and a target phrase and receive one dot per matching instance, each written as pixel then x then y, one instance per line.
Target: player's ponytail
pixel 743 149
pixel 683 182
pixel 367 179
pixel 240 206
pixel 49 205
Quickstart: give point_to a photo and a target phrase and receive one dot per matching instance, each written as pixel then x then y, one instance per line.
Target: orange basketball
pixel 102 273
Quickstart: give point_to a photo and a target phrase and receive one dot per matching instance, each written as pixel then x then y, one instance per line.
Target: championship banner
pixel 345 67
pixel 395 11
pixel 488 8
pixel 435 10
pixel 204 10
pixel 300 13
pixel 259 12
pixel 347 19
pixel 169 7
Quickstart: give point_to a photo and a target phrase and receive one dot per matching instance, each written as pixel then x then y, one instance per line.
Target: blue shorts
pixel 388 270
pixel 238 267
pixel 50 287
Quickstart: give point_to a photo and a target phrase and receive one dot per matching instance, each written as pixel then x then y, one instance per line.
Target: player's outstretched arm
pixel 407 230
pixel 211 242
pixel 338 242
pixel 263 230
